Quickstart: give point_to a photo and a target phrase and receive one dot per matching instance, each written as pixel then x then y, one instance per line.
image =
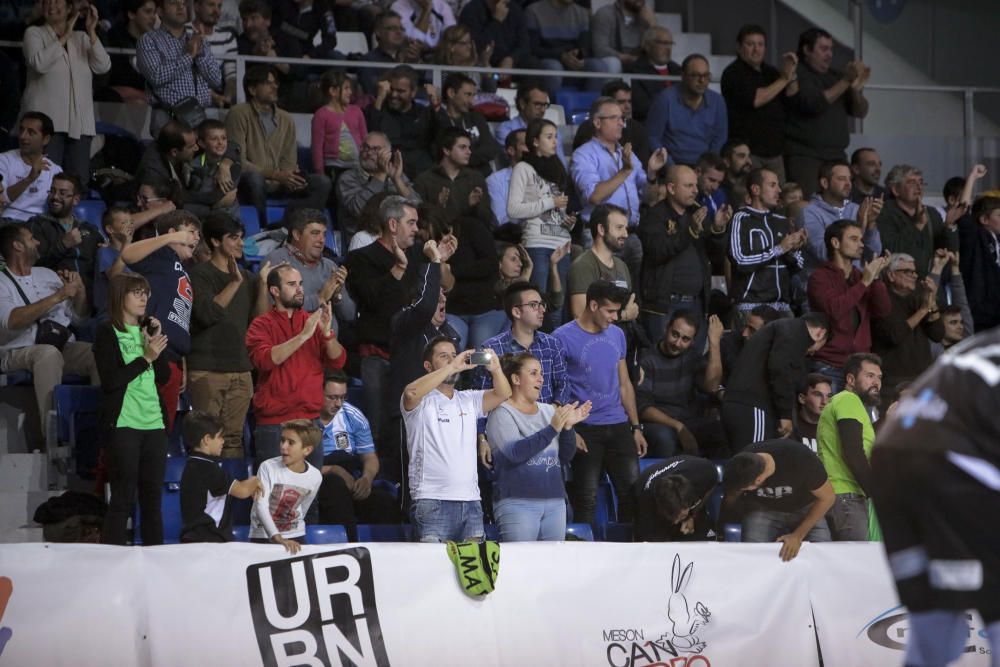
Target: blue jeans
pixel 832 373
pixel 768 525
pixel 531 519
pixel 554 83
pixel 474 329
pixel 662 440
pixel 540 278
pixel 447 520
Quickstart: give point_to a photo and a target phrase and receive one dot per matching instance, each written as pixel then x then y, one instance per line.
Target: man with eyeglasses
pixel 633 133
pixel 532 102
pixel 906 225
pixel 670 500
pixel 66 243
pixel 526 311
pixel 33 297
pixel 689 119
pixel 903 338
pixel 657 47
pixel 380 169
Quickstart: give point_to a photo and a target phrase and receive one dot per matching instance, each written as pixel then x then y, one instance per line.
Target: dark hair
pixel 809 38
pixel 306 429
pixel 369 219
pixel 816 319
pixel 513 363
pixel 332 78
pixel 756 177
pixel 133 6
pixel 512 295
pixel 615 86
pixel 730 147
pixel 690 59
pixel 836 231
pixel 161 187
pixel 672 494
pixel 336 375
pixel 511 140
pixel 826 169
pixel 856 155
pixel 175 220
pixel 118 287
pixel 749 29
pixel 108 217
pixel 953 187
pixel 434 219
pixel 197 426
pixel 446 139
pixel 687 316
pixel 550 168
pixel 48 129
pixel 525 89
pixel 604 291
pixel 766 313
pixel 171 136
pixel 951 309
pixel 455 81
pixel 257 75
pixel 9 235
pixel 218 225
pixel 381 19
pixel 298 219
pixel 811 380
pixel 401 72
pixel 710 160
pixel 741 471
pixel 71 179
pixel 853 364
pixel 984 206
pixel 248 7
pixel 428 353
pixel 208 125
pixel 599 217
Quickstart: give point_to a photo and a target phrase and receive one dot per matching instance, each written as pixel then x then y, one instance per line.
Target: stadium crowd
pixel 693 276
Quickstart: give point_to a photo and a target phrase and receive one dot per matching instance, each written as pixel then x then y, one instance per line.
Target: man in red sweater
pixel 848 296
pixel 290 350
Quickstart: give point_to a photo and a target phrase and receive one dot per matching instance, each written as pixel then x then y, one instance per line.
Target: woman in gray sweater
pixel 530 442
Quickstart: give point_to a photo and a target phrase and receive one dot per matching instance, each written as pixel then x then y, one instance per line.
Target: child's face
pixel 212 444
pixel 186 250
pixel 293 452
pixel 215 143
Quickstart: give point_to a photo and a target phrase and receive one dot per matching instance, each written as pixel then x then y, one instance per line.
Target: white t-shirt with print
pixel 441 440
pixel 287 497
pixel 34 200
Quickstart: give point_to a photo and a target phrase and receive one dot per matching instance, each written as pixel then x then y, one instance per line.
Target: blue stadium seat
pixel 241 533
pixel 606 510
pixel 647 462
pixel 76 410
pixel 356 394
pixel 17 379
pixel 732 532
pixel 304 157
pixel 326 535
pixel 386 485
pixel 492 532
pixel 172 522
pixel 236 468
pixel 275 213
pixel 618 532
pixel 714 504
pixel 91 211
pixel 574 101
pixel 580 531
pixel 175 468
pixel 388 532
pixel 251 223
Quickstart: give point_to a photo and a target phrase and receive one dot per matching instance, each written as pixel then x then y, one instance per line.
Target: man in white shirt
pixel 33 296
pixel 424 20
pixel 26 172
pixel 441 440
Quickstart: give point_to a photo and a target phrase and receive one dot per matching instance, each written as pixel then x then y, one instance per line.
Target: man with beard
pixel 64 242
pixel 736 154
pixel 380 170
pixel 440 438
pixel 290 350
pixel 845 435
pixel 408 126
pixel 609 228
pixel 866 174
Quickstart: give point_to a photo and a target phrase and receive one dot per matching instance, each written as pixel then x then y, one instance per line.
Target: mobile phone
pixel 479 358
pixel 147 324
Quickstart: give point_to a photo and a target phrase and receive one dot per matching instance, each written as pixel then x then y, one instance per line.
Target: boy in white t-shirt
pixel 441 440
pixel 290 486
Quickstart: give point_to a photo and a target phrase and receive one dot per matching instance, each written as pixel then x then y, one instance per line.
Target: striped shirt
pixel 222 44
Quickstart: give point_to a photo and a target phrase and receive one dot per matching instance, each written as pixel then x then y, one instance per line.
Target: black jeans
pixel 338 506
pixel 137 463
pixel 610 448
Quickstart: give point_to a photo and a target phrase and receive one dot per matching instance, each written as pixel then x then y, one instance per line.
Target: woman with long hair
pixel 538 198
pixel 128 351
pixel 338 127
pixel 516 266
pixel 456 47
pixel 530 442
pixel 61 63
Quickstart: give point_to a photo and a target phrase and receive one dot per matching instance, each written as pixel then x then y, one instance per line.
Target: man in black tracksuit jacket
pixel 760 394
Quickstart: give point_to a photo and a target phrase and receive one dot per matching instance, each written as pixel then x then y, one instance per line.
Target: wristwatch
pixel 636 427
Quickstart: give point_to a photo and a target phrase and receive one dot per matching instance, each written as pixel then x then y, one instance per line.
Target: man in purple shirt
pixel 689 119
pixel 596 372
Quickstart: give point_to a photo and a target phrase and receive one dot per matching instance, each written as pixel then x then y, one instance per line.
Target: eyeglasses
pixel 663 42
pixel 367 148
pixel 613 118
pixel 139 292
pixel 909 272
pixel 534 305
pixel 541 105
pixel 700 76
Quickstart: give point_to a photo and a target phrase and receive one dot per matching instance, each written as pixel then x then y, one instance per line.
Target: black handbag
pixel 188 111
pixel 49 332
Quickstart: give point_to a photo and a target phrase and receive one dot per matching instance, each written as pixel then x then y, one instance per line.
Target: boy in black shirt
pixel 791 494
pixel 205 486
pixel 670 500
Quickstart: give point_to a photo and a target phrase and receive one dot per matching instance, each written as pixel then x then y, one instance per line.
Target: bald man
pixel 675 236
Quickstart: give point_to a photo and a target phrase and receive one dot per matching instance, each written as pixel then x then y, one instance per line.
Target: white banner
pixel 601 604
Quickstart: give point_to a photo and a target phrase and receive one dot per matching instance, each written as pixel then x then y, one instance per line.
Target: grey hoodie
pixel 819 215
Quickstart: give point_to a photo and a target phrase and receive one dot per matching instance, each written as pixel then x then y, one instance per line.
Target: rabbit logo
pixel 685 619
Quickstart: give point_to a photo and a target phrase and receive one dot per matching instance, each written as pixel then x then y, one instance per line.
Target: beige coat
pixel 60 81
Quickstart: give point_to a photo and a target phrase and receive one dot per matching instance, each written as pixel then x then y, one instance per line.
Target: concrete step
pixel 23 472
pixel 16 511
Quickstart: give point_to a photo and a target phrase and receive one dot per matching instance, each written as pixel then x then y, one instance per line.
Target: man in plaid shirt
pixel 176 62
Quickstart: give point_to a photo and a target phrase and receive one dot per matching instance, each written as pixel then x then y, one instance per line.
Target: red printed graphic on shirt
pixel 283 503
